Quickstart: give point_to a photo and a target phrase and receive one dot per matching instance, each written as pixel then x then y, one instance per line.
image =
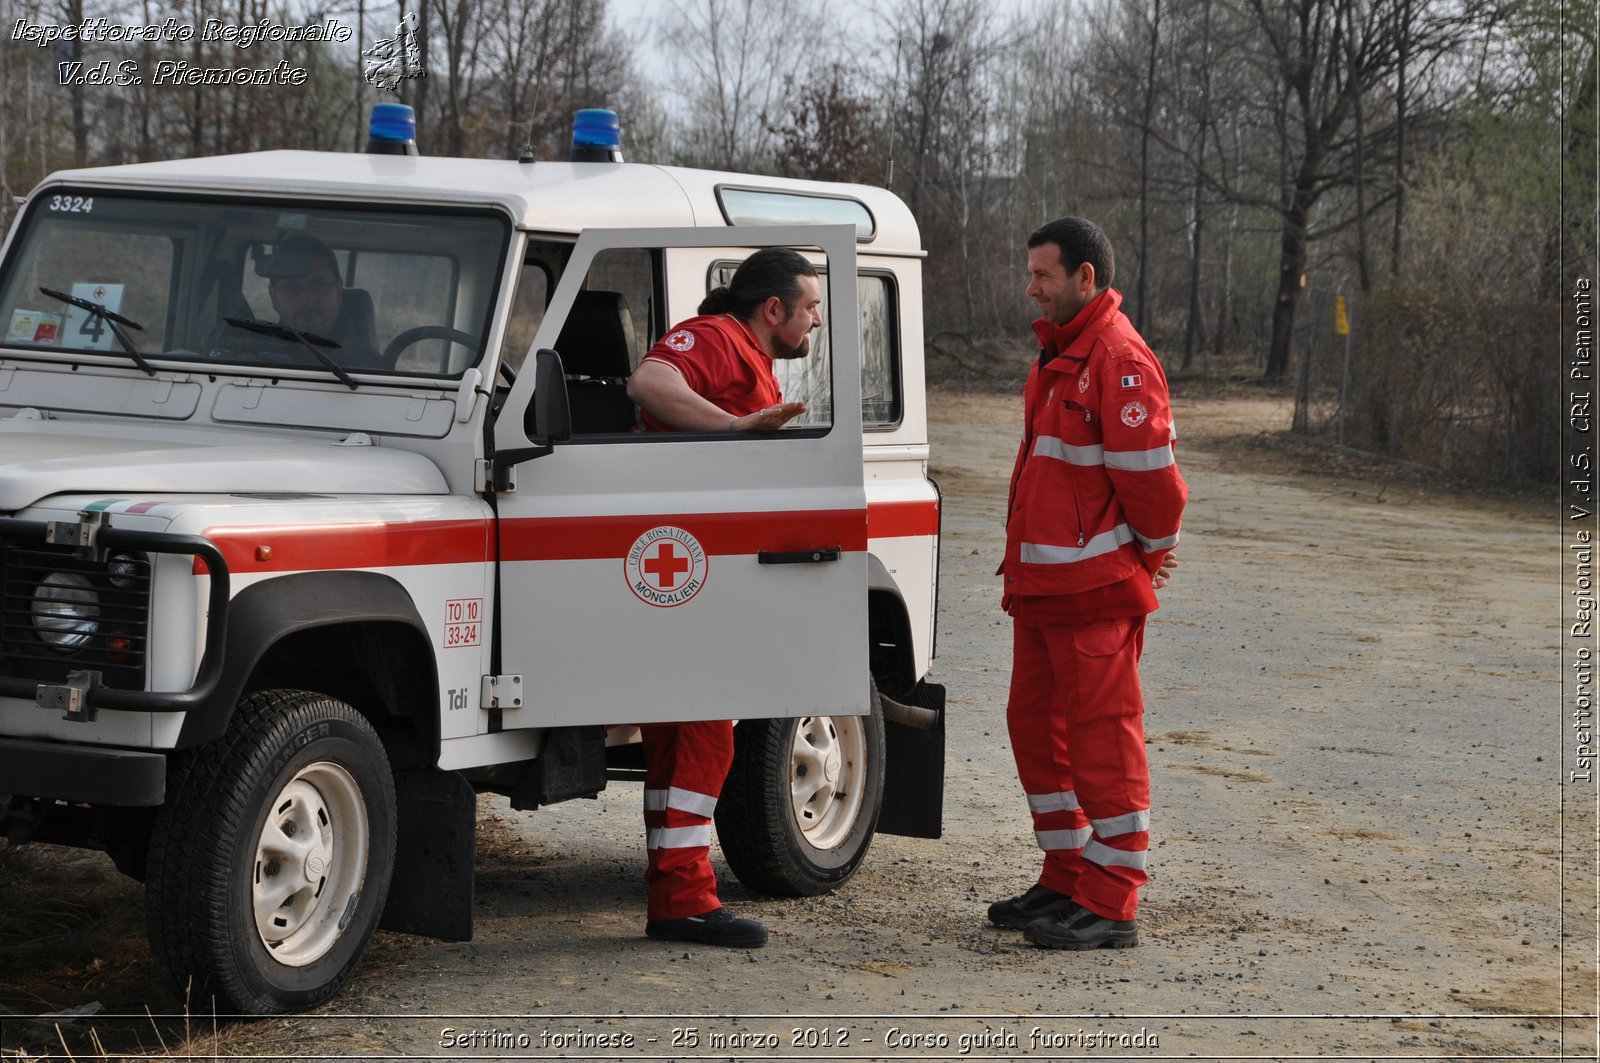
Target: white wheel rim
pixel 310 863
pixel 827 777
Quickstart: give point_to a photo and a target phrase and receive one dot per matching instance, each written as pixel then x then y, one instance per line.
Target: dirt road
pixel 1360 844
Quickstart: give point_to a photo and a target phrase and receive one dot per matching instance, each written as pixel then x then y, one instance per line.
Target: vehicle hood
pixel 40 458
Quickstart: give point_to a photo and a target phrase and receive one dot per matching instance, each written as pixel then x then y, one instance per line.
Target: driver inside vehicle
pixel 308 296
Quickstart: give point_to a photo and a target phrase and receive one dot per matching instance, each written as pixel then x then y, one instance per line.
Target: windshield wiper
pixel 111 318
pixel 309 340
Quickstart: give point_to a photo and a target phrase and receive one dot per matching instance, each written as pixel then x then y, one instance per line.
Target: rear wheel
pixel 270 863
pixel 800 806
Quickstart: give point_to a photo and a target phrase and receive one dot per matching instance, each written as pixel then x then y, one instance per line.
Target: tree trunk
pixel 1142 301
pixel 1192 338
pixel 1403 44
pixel 1191 333
pixel 1363 249
pixel 1291 268
pixel 73 12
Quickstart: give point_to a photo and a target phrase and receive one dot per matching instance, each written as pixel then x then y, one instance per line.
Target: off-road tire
pixel 774 841
pixel 301 758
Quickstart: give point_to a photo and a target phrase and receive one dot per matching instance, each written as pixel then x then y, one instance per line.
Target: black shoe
pixel 1079 928
pixel 716 927
pixel 1037 903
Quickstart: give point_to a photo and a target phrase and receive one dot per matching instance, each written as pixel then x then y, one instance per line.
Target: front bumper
pixel 90 774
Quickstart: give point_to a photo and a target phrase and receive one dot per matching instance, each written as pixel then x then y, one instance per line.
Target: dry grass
pixel 80 982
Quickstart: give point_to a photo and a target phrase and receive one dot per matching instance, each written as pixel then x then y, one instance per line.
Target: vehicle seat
pixel 356 326
pixel 597 353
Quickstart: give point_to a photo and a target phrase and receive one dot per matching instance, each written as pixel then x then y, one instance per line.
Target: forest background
pixel 1423 171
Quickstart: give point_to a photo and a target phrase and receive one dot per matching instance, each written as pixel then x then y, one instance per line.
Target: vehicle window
pixel 124 269
pixel 238 281
pixel 808 379
pixel 603 337
pixel 527 312
pixel 765 206
pixel 633 272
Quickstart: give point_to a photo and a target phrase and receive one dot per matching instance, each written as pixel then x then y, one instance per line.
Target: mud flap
pixel 437 841
pixel 572 764
pixel 913 784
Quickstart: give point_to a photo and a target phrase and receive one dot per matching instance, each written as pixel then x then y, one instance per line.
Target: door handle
pixel 797 557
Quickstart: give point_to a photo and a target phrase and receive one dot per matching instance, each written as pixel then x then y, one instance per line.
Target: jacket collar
pixel 1073 338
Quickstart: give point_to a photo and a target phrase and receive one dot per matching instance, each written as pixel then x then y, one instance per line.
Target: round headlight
pixel 66 611
pixel 123 569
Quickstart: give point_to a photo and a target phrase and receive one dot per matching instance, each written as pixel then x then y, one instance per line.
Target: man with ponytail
pixel 713 373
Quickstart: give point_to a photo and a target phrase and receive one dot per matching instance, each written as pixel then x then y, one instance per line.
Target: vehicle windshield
pixel 253 283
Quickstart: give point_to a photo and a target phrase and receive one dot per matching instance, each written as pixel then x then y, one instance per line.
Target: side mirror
pixel 550 417
pixel 547 422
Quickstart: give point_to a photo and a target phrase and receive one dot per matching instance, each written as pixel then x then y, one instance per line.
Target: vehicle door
pixel 652 577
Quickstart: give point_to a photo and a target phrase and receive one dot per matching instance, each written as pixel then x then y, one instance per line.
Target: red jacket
pixel 1096 494
pixel 720 360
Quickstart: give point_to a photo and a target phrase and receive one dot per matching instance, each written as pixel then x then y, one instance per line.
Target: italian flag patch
pixel 1133 380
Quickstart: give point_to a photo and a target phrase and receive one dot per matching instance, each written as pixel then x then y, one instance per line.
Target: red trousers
pixel 685 767
pixel 1076 718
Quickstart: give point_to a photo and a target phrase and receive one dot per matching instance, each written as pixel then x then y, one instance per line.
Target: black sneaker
pixel 1079 928
pixel 716 927
pixel 1018 912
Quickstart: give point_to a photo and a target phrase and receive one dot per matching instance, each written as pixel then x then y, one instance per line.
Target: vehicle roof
pixel 555 197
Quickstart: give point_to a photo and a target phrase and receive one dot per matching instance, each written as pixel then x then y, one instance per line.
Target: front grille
pixel 118 644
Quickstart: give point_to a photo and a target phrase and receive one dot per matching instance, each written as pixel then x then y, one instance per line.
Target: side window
pixel 603 337
pixel 880 351
pixel 808 379
pixel 631 272
pixel 527 312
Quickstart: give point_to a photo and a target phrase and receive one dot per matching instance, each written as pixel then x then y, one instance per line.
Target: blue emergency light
pixel 392 130
pixel 596 136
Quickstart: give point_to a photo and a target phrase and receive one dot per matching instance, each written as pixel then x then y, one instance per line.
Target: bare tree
pixel 732 60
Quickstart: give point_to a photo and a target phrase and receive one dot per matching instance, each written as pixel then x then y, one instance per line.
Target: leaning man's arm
pixel 661 391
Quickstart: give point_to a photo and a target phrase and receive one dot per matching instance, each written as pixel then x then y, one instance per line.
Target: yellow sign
pixel 1341 320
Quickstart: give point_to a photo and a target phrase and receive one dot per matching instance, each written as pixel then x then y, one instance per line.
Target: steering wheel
pixel 391 351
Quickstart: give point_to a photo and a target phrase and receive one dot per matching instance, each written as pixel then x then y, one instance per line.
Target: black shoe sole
pixel 701 937
pixel 1112 941
pixel 1008 922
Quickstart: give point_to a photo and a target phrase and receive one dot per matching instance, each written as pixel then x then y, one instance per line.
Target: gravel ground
pixel 1361 844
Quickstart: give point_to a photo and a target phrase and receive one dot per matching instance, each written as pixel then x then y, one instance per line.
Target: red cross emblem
pixel 665 567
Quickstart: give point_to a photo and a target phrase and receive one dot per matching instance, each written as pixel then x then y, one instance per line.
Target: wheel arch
pixel 890 656
pixel 355 636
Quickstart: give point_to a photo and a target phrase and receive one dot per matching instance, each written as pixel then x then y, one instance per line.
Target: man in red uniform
pixel 713 373
pixel 1095 505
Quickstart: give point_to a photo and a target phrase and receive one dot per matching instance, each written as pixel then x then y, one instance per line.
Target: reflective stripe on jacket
pixel 1096 493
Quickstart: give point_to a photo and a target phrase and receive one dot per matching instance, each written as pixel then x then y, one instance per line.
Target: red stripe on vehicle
pixel 318 547
pixel 582 538
pixel 893 520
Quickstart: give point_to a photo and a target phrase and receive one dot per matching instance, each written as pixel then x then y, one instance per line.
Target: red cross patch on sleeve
pixel 1132 380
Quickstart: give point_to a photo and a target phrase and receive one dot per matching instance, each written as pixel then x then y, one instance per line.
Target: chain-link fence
pixel 1464 385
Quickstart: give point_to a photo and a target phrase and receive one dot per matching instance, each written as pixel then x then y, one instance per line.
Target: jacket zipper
pixel 1077 509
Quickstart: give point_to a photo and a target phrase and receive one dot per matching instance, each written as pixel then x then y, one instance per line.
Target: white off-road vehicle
pixel 275 606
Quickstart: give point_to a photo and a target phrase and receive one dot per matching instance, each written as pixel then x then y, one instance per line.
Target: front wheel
pixel 800 806
pixel 270 863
